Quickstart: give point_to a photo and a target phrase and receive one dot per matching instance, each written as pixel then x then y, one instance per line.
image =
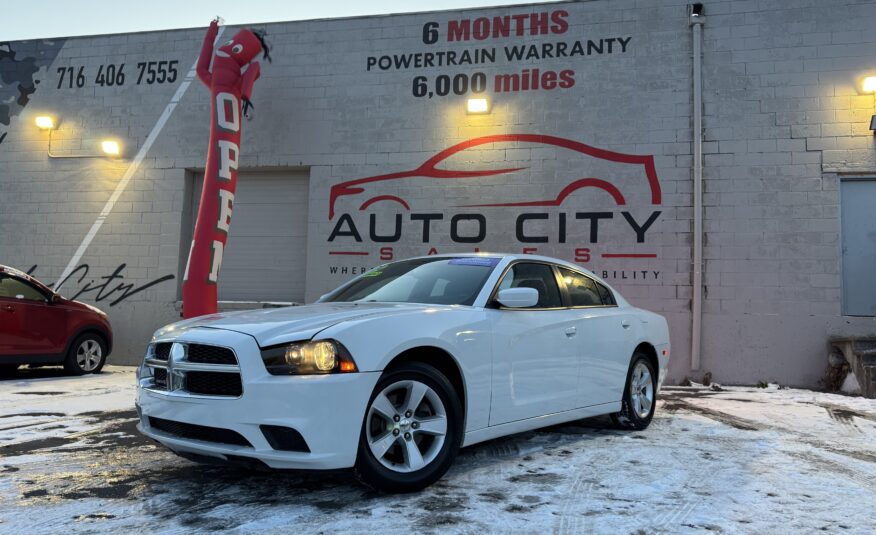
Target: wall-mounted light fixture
pixel 108 147
pixel 868 85
pixel 478 106
pixel 45 122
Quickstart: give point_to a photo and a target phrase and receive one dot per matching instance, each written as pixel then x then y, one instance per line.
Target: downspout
pixel 696 23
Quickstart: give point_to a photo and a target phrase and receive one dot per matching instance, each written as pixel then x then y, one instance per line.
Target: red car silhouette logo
pixel 430 169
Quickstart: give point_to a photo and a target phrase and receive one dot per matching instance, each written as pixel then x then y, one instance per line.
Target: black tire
pixel 72 365
pixel 628 417
pixel 8 370
pixel 373 472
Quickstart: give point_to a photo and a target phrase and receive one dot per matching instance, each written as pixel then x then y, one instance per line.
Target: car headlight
pixel 144 371
pixel 308 358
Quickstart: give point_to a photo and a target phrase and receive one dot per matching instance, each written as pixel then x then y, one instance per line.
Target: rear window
pixel 605 293
pixel 582 289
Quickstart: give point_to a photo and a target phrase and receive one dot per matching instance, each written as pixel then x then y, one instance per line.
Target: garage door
pixel 265 257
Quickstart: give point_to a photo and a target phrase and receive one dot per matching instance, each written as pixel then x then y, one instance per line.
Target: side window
pixel 538 276
pixel 606 295
pixel 11 288
pixel 583 291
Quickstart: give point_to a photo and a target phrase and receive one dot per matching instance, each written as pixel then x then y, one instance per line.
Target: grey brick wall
pixel 784 122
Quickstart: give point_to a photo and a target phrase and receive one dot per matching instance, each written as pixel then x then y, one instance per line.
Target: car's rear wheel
pixel 412 429
pixel 640 395
pixel 86 355
pixel 7 370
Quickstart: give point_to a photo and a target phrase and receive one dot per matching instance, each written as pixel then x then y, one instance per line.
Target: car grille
pixel 160 377
pixel 162 350
pixel 214 383
pixel 201 369
pixel 198 432
pixel 210 354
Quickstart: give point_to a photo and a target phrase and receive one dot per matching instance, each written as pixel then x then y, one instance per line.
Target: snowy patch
pixel 732 460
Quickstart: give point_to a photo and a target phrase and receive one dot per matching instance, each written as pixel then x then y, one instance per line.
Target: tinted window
pixel 605 293
pixel 583 290
pixel 538 276
pixel 436 281
pixel 13 288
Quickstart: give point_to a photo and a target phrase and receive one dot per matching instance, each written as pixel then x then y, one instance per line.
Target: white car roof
pixel 512 256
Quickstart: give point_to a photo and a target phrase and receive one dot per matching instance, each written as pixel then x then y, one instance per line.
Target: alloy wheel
pixel 88 355
pixel 406 426
pixel 641 390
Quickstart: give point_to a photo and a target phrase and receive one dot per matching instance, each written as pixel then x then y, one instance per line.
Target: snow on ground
pixel 742 460
pixel 43 403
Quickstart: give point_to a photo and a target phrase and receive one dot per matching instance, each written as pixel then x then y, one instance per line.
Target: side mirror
pixel 518 297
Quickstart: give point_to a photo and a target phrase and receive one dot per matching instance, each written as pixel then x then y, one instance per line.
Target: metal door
pixel 858 208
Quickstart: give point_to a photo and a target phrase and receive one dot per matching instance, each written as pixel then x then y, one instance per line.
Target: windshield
pixel 434 281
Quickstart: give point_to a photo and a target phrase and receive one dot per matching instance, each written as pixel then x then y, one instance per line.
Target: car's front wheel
pixel 412 429
pixel 640 395
pixel 86 355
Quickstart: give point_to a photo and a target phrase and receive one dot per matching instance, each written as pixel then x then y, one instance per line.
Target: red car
pixel 39 327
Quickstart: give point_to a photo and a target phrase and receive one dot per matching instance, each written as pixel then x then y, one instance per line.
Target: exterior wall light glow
pixel 45 122
pixel 110 147
pixel 477 106
pixel 869 86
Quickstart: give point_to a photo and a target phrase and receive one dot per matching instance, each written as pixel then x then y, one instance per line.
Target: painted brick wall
pixel 784 121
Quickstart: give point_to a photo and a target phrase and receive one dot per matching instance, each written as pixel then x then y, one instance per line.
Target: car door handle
pixel 625 324
pixel 9 308
pixel 571 331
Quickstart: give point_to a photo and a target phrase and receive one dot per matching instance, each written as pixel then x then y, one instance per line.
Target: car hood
pixel 271 326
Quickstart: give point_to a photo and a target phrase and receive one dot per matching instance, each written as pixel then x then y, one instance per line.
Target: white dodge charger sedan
pixel 397 369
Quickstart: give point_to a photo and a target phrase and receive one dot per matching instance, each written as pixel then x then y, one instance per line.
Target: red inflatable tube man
pixel 230 82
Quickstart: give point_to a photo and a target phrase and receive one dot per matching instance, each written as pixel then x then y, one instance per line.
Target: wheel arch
pixel 648 349
pixel 91 329
pixel 441 360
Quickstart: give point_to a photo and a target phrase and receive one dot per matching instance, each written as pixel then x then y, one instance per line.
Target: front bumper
pixel 327 410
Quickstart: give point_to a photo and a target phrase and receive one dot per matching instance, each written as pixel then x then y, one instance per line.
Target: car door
pixel 11 319
pixel 605 338
pixel 35 326
pixel 535 360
